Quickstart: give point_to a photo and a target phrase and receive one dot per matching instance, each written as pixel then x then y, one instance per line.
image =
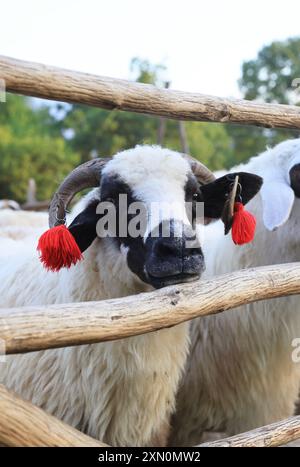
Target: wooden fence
pixel 23 424
pixel 48 82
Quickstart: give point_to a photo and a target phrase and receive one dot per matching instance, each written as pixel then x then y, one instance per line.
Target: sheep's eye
pixel 197 196
pixel 110 200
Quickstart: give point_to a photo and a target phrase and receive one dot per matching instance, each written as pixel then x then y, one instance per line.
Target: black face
pixel 295 179
pixel 157 259
pixel 175 258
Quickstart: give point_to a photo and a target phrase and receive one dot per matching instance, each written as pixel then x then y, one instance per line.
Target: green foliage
pixel 30 147
pixel 208 142
pixel 145 72
pixel 100 132
pixel 271 74
pixel 18 114
pixel 269 78
pixel 103 133
pixel 46 143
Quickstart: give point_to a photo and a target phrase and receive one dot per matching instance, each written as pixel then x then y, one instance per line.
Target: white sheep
pixel 18 225
pixel 240 374
pixel 9 204
pixel 21 218
pixel 121 392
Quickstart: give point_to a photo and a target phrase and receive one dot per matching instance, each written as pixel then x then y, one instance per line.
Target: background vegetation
pixel 45 142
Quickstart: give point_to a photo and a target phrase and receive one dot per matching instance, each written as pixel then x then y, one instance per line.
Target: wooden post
pixel 22 424
pixel 276 434
pixel 162 123
pixel 48 82
pixel 183 138
pixel 31 192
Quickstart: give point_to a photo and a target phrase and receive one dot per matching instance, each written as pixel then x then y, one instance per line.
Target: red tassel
pixel 58 248
pixel 243 227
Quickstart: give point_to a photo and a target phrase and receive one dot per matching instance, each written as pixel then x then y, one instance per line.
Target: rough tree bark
pixel 48 82
pixel 23 424
pixel 276 434
pixel 34 328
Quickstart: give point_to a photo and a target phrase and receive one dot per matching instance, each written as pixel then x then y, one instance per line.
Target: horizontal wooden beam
pixel 276 434
pixel 48 82
pixel 34 328
pixel 22 424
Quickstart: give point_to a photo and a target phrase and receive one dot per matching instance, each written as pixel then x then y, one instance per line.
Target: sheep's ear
pixel 277 202
pixel 215 194
pixel 83 227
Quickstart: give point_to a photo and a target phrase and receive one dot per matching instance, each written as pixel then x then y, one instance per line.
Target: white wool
pixel 9 218
pixel 121 392
pixel 240 374
pixel 152 164
pixel 142 166
pixel 20 225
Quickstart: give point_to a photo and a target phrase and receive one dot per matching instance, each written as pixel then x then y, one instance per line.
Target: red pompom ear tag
pixel 243 226
pixel 58 248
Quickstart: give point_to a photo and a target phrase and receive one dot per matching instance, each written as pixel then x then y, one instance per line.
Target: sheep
pixel 240 373
pixel 31 219
pixel 121 392
pixel 9 204
pixel 17 225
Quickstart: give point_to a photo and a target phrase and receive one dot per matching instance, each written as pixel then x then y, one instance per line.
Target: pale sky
pixel 203 43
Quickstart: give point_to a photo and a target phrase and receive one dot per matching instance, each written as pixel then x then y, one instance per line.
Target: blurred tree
pixel 99 132
pixel 19 115
pixel 31 147
pixel 270 78
pixel 144 71
pixel 45 142
pixel 208 142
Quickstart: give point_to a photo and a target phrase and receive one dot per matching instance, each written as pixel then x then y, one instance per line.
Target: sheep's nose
pixel 174 255
pixel 167 247
pixel 295 179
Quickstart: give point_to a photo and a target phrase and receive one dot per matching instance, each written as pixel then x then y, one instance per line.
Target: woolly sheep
pixel 18 225
pixel 240 374
pixel 121 392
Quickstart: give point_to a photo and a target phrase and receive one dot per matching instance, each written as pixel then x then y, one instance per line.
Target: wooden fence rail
pixel 23 424
pixel 34 328
pixel 48 82
pixel 276 434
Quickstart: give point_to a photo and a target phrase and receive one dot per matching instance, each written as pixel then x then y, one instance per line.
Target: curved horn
pixel 201 172
pixel 86 175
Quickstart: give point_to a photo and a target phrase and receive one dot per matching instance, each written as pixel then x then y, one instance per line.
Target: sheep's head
pixel 146 206
pixel 280 168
